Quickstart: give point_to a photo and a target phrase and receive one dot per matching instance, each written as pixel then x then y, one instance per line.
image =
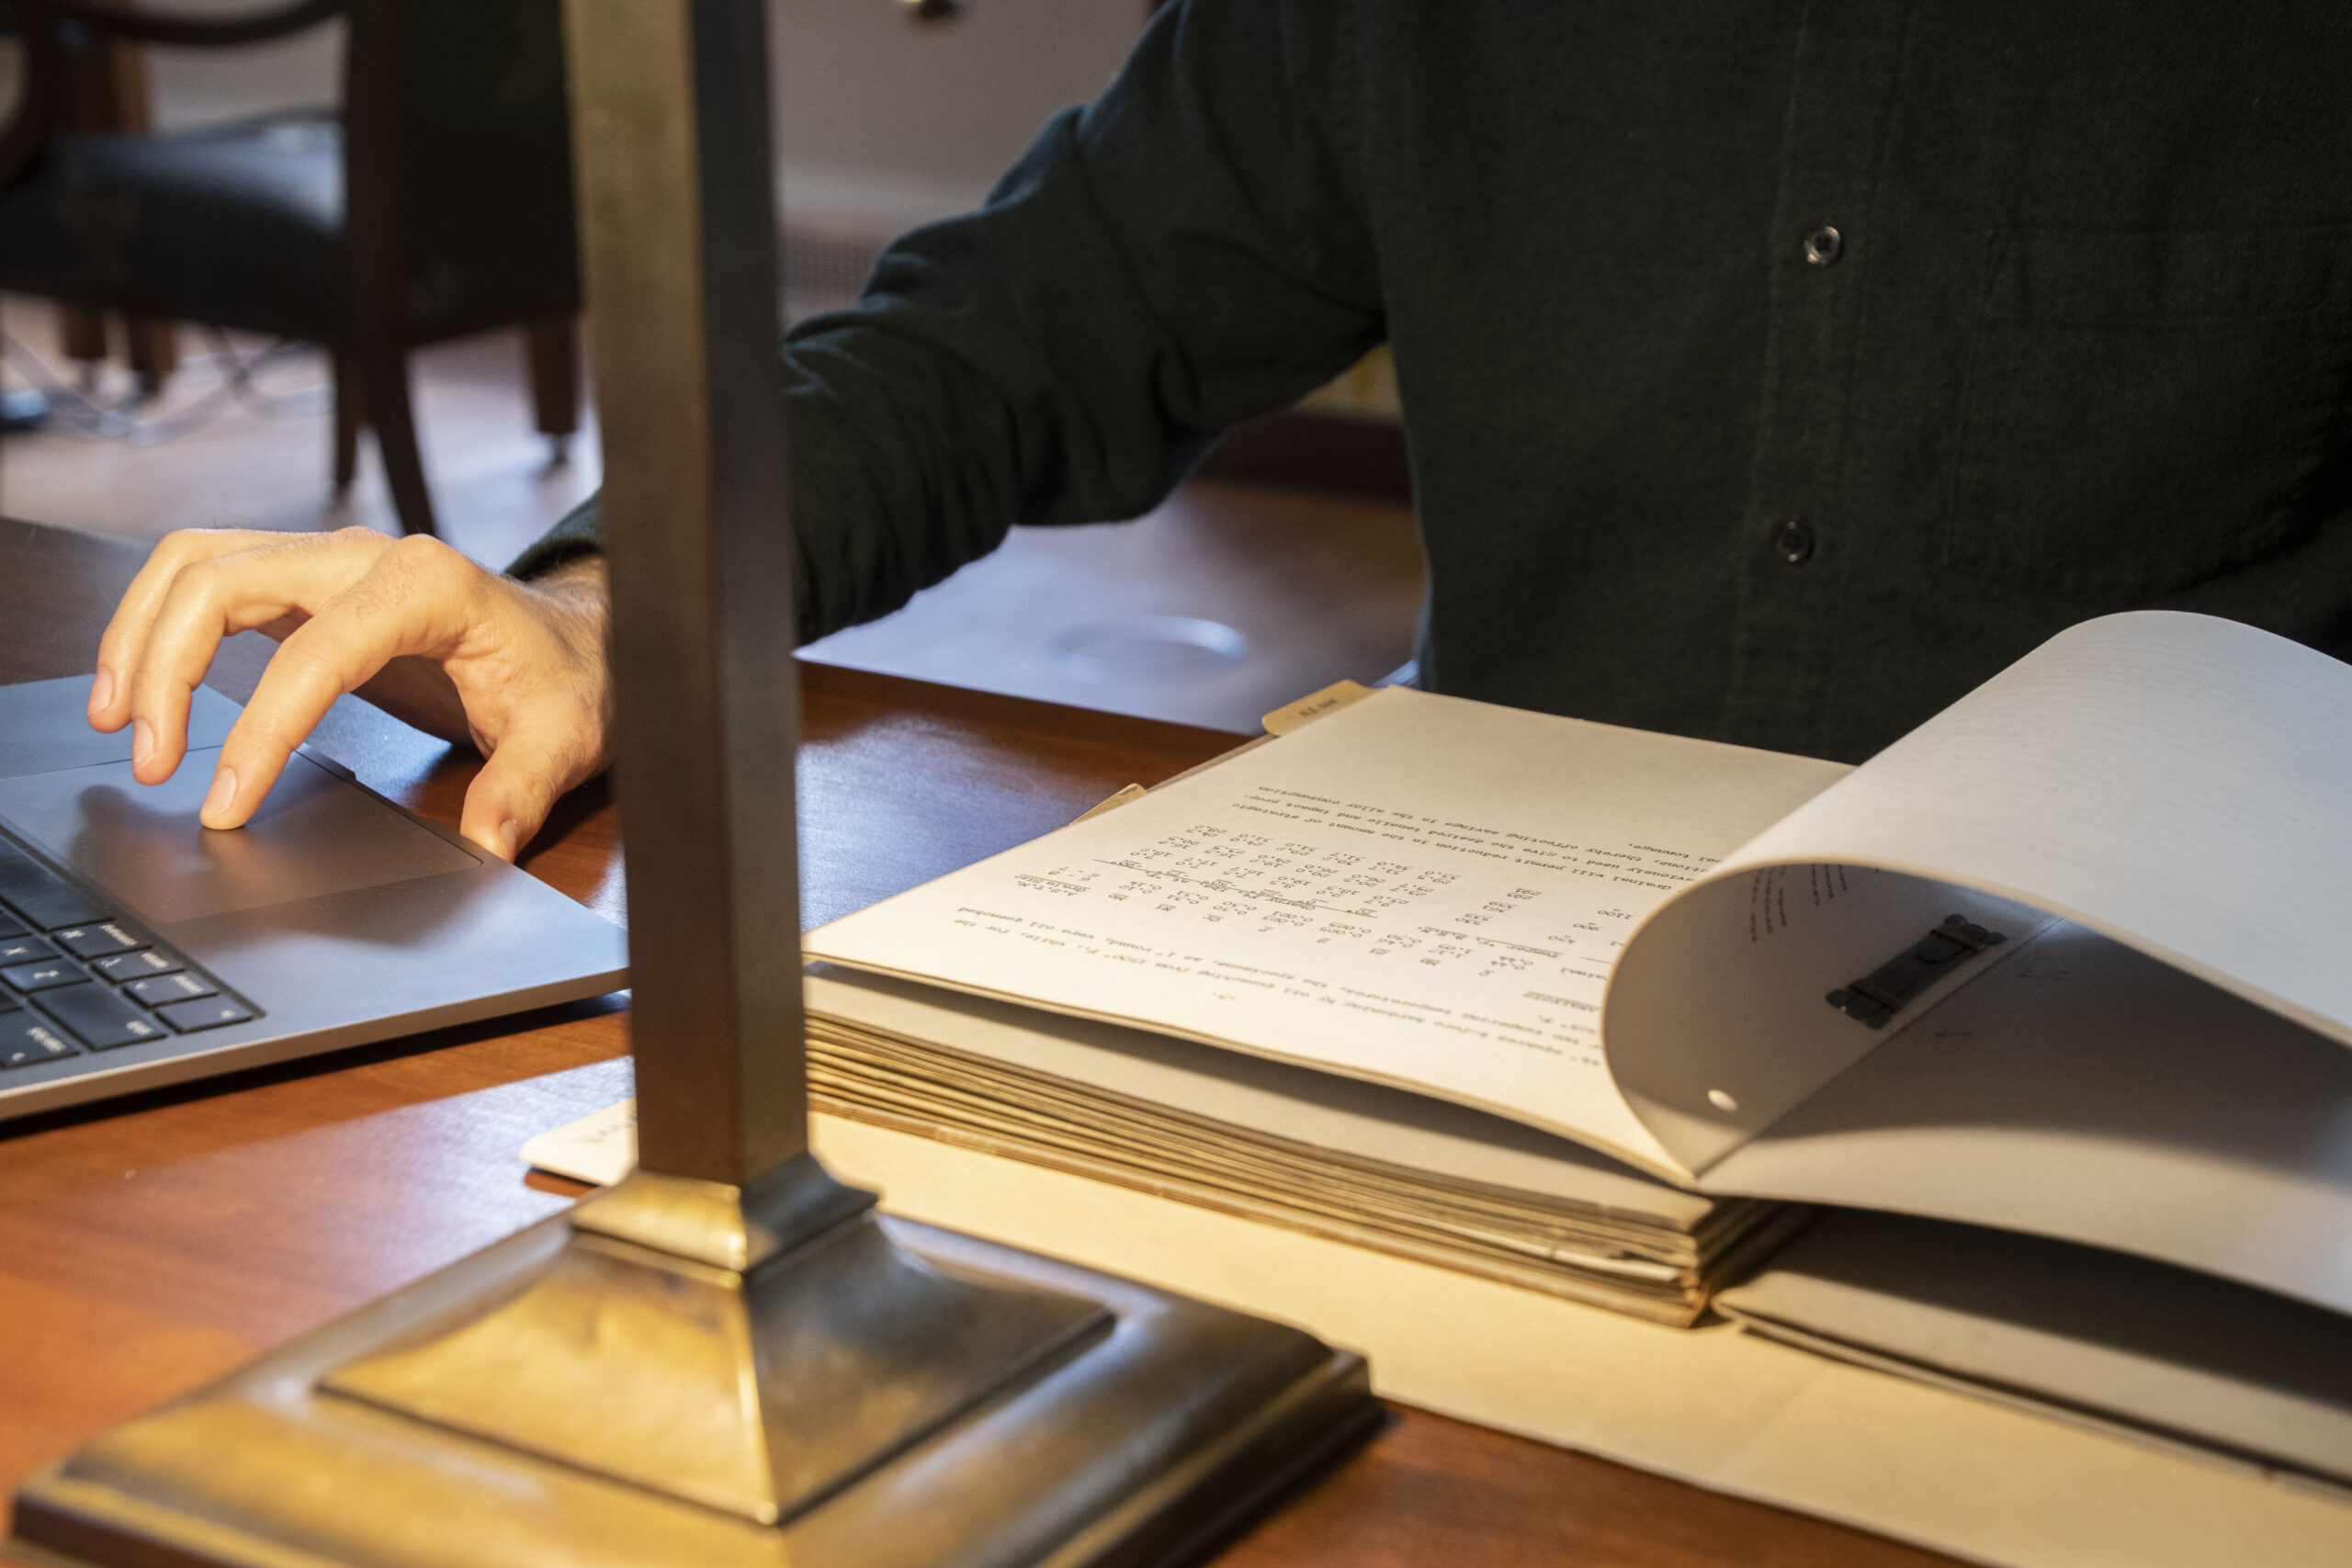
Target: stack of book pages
pixel 1580 1006
pixel 1358 1162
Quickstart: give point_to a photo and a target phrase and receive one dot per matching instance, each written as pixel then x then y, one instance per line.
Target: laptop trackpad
pixel 315 834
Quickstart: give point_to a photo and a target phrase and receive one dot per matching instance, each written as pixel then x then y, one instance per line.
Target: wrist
pixel 575 594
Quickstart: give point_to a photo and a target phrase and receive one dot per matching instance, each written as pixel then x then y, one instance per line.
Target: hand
pixel 517 669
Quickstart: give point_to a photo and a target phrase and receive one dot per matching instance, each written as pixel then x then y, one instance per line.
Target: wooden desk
pixel 149 1249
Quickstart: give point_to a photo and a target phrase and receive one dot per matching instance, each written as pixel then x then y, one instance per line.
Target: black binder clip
pixel 1875 997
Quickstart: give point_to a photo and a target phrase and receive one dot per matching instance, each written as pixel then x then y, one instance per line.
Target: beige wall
pixel 880 123
pixel 880 118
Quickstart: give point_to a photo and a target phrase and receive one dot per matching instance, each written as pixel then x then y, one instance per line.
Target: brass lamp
pixel 729 1357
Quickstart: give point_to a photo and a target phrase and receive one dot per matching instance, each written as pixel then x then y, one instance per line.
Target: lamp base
pixel 1142 1442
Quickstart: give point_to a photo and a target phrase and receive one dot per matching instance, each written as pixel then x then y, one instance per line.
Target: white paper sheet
pixel 2086 1091
pixel 1417 890
pixel 2178 783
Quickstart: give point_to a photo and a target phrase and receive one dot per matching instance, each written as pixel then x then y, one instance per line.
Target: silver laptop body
pixel 138 948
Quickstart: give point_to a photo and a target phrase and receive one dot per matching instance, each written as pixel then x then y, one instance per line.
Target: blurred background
pixel 1289 562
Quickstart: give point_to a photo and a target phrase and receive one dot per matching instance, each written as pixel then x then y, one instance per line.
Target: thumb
pixel 510 798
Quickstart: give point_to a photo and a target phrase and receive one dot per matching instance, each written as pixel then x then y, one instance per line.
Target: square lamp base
pixel 1142 1441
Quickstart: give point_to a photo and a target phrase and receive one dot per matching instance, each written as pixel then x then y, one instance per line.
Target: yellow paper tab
pixel 598 1149
pixel 1307 709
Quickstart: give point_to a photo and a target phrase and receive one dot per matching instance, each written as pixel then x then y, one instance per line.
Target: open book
pixel 2074 958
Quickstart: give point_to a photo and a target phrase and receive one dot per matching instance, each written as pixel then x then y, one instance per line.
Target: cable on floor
pixel 76 412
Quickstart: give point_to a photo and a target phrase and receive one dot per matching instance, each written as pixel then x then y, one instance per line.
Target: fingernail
pixel 223 794
pixel 102 690
pixel 142 743
pixel 508 835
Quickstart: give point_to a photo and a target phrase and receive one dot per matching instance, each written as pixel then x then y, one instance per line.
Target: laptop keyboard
pixel 74 978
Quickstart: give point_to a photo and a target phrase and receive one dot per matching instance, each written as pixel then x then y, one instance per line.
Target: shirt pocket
pixel 2144 411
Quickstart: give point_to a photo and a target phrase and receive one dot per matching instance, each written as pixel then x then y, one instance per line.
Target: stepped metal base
pixel 1141 1429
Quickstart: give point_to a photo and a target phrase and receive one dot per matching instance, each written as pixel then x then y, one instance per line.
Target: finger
pixel 215 596
pixel 126 633
pixel 411 602
pixel 542 755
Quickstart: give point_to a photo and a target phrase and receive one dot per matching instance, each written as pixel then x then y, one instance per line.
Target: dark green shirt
pixel 1685 458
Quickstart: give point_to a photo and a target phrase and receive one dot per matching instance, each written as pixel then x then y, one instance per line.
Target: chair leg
pixel 152 346
pixel 349 415
pixel 81 334
pixel 383 384
pixel 553 346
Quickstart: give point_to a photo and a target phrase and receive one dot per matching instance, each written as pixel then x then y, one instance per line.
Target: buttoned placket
pixel 1785 628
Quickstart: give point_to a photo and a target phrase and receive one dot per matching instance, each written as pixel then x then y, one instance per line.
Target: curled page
pixel 2081 1089
pixel 2150 810
pixel 2174 781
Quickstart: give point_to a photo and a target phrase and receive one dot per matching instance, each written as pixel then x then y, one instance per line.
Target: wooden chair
pixel 108 91
pixel 436 202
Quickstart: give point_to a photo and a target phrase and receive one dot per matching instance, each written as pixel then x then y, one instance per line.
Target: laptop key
pixel 45 899
pixel 99 941
pixel 24 950
pixel 211 1014
pixel 99 1017
pixel 163 990
pixel 10 925
pixel 122 966
pixel 24 1039
pixel 41 976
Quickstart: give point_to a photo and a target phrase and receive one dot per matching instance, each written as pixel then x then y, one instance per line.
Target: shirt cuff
pixel 580 533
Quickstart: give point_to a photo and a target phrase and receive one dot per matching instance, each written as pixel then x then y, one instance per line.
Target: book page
pixel 1350 1122
pixel 1417 890
pixel 2175 783
pixel 2075 1333
pixel 2084 1090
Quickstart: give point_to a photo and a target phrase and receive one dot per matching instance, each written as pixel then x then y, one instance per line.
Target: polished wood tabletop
pixel 157 1244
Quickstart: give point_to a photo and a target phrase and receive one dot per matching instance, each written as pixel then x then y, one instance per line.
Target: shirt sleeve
pixel 1188 251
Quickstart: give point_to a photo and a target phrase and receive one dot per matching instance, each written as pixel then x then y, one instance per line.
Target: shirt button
pixel 1793 542
pixel 1823 245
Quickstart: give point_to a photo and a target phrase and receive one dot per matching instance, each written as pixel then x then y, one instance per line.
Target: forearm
pixel 1187 251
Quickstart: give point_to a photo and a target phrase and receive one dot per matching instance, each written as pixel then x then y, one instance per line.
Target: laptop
pixel 138 949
